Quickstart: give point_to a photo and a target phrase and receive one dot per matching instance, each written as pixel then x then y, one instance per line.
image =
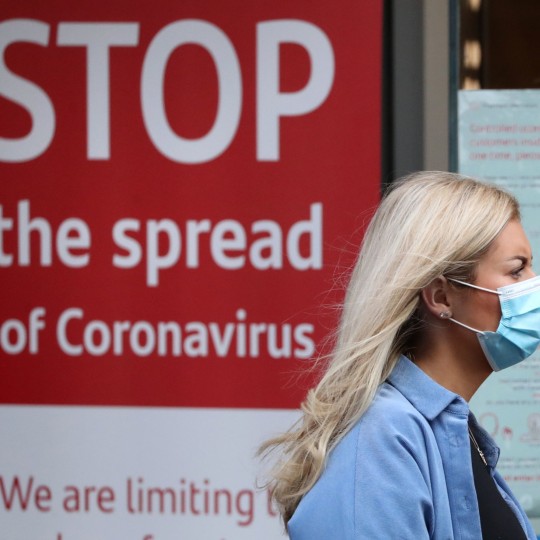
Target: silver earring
pixel 445 315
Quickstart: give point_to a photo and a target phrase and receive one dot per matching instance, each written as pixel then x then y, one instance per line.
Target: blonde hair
pixel 427 225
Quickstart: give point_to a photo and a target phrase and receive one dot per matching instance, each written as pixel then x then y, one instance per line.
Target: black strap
pixel 497 519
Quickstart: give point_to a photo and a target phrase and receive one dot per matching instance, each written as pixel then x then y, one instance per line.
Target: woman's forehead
pixel 511 243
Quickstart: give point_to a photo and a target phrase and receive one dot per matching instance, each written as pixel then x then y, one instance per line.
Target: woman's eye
pixel 517 271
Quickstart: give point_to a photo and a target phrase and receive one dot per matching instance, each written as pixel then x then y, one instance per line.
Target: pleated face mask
pixel 518 334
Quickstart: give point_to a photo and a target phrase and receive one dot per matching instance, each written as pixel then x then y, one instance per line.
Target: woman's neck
pixel 460 371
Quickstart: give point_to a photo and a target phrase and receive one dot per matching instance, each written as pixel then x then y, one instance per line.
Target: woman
pixel 387 447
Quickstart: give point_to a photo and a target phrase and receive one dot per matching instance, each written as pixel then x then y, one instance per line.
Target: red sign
pixel 178 183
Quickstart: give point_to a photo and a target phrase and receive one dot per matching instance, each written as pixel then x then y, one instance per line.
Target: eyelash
pixel 517 271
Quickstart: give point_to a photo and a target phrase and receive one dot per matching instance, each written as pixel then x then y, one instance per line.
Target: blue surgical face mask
pixel 518 334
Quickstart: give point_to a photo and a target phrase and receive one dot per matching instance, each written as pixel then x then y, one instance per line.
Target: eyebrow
pixel 521 258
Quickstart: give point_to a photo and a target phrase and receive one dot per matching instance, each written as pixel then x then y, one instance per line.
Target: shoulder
pixel 391 414
pixel 396 454
pixel 391 433
pixel 378 471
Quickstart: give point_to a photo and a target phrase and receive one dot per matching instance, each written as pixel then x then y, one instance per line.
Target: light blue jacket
pixel 404 471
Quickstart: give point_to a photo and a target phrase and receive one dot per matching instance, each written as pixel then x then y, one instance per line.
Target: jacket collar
pixel 427 396
pixel 431 399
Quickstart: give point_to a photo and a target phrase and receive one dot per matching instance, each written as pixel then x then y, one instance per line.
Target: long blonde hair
pixel 428 224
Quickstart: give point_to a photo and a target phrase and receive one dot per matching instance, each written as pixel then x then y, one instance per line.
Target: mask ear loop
pixel 476 331
pixel 474 286
pixel 466 326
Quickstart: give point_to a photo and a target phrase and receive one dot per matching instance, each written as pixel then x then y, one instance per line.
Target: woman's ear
pixel 436 298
